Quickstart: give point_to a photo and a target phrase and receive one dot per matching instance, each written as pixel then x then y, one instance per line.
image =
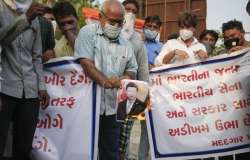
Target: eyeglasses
pixel 113 22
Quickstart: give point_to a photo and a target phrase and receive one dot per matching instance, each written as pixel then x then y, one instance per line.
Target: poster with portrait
pixel 132 100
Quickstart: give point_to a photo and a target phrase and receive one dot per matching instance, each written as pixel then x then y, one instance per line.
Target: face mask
pixel 128 27
pixel 232 42
pixel 209 47
pixel 22 5
pixel 186 34
pixel 150 35
pixel 111 32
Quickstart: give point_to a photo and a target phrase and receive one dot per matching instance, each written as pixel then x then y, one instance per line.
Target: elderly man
pixel 107 58
pixel 21 77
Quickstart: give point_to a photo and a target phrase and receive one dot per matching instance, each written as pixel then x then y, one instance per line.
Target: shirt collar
pixel 101 33
pixel 151 41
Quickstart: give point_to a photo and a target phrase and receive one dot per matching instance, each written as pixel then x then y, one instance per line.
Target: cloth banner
pixel 200 109
pixel 68 128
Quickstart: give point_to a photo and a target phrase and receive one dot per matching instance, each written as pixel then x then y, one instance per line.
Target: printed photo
pixel 132 99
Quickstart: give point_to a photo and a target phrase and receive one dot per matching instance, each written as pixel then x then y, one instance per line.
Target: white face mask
pixel 111 32
pixel 22 6
pixel 128 27
pixel 186 34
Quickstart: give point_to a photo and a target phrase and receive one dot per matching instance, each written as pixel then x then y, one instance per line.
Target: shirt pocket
pixel 120 63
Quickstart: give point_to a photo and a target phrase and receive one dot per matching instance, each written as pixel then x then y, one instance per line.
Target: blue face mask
pixel 150 35
pixel 112 32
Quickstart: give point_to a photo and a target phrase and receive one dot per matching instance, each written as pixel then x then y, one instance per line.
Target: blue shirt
pixel 111 58
pixel 153 49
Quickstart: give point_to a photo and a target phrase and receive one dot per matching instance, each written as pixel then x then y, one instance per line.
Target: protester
pixel 209 39
pixel 107 58
pixel 131 9
pixel 151 30
pixel 234 36
pixel 128 32
pixel 67 21
pixel 22 81
pixel 186 46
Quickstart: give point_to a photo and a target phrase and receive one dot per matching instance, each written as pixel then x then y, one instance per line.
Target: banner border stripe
pixel 94 90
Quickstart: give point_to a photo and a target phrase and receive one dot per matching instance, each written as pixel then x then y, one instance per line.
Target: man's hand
pixel 47 55
pixel 150 66
pixel 107 84
pixel 115 81
pixel 182 55
pixel 43 98
pixel 36 9
pixel 201 54
pixel 236 48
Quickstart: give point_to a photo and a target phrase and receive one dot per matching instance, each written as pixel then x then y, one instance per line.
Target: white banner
pixel 200 110
pixel 68 128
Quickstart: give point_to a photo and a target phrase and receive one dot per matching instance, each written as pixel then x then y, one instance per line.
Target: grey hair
pixel 107 3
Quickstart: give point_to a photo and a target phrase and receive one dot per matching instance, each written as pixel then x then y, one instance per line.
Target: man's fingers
pixel 46 101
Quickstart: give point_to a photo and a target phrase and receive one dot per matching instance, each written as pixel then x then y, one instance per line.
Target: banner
pixel 201 109
pixel 68 128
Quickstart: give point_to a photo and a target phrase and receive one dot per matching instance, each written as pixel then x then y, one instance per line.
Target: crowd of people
pixel 109 51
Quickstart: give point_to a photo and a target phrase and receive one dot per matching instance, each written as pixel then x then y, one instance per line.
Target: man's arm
pixel 96 75
pixel 163 55
pixel 71 37
pixel 71 31
pixel 8 32
pixel 37 62
pixel 168 57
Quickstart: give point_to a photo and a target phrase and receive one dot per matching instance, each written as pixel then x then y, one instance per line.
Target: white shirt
pixel 174 44
pixel 129 106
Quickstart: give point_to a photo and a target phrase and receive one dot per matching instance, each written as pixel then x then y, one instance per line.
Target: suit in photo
pixel 136 109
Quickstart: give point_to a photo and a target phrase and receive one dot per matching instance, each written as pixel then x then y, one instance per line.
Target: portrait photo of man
pixel 131 106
